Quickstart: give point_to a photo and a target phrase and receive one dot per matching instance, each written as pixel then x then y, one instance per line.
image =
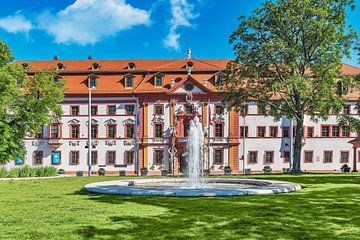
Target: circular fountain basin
pixel 179 188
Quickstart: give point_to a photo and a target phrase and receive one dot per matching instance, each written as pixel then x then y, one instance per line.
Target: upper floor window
pixel 129 109
pixel 328 156
pixel 273 131
pixel 54 131
pixel 325 131
pixel 285 132
pixel 94 110
pixel 310 132
pixel 110 157
pixel 335 130
pixel 60 66
pixel 189 65
pixel 111 110
pixel 74 157
pixel 342 88
pixel 158 80
pixel 345 131
pixel 94 157
pixel 189 109
pixel 26 66
pixel 244 109
pixel 346 109
pixel 219 109
pixel 252 157
pixel 129 81
pixel 158 130
pixel 261 131
pixel 242 131
pixel 75 131
pixel 94 131
pixel 75 110
pixel 130 130
pixel 219 132
pixel 111 131
pixel 219 79
pixel 309 156
pixel 159 110
pixel 39 134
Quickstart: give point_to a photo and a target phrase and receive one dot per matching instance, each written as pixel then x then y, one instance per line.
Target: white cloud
pixel 89 21
pixel 15 24
pixel 182 12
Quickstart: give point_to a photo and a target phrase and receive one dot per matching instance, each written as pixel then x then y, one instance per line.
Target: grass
pixel 327 208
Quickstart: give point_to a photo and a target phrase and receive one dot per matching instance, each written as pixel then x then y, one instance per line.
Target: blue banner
pixel 56 158
pixel 19 161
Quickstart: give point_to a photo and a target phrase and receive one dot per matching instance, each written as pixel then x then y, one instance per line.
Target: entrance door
pixel 183 164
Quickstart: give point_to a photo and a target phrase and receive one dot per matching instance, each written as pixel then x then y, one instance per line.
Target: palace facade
pixel 140 115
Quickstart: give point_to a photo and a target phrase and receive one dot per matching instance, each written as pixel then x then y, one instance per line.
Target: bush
pixel 50 171
pixel 3 172
pixel 144 171
pixel 40 171
pixel 101 172
pixel 14 173
pixel 24 171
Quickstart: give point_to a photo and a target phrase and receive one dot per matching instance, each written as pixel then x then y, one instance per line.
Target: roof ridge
pixel 203 61
pixel 169 63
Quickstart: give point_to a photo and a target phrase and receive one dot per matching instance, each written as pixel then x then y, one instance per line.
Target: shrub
pixel 3 172
pixel 40 171
pixel 32 172
pixel 50 171
pixel 101 172
pixel 14 173
pixel 24 171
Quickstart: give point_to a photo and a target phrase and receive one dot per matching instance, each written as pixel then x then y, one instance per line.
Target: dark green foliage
pixel 24 109
pixel 289 59
pixel 27 171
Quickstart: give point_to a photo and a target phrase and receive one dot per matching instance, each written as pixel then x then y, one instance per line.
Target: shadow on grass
pixel 326 209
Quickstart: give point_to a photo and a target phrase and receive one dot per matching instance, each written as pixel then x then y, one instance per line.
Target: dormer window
pixel 19 83
pixel 219 79
pixel 129 81
pixel 189 65
pixel 131 66
pixel 158 81
pixel 56 79
pixel 60 66
pixel 343 88
pixel 92 81
pixel 95 66
pixel 26 66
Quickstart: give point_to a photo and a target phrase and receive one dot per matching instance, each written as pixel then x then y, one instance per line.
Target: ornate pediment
pixel 110 121
pixel 93 122
pixel 218 119
pixel 128 121
pixel 158 118
pixel 74 121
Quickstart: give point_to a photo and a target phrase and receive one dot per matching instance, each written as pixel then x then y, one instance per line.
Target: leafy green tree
pixel 288 61
pixel 26 103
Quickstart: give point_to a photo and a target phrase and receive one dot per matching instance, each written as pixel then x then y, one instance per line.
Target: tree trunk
pixel 296 166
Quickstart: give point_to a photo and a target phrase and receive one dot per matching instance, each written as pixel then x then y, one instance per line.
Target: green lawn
pixel 327 208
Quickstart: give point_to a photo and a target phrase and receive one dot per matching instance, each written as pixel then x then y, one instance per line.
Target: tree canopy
pixel 26 104
pixel 289 61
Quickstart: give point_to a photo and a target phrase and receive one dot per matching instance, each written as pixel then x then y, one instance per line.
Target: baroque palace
pixel 140 112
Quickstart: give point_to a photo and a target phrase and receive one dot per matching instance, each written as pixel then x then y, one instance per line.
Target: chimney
pixel 189 53
pixel 172 82
pixel 90 57
pixel 56 57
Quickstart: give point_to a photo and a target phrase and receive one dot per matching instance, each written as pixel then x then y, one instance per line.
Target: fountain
pixel 194 184
pixel 195 157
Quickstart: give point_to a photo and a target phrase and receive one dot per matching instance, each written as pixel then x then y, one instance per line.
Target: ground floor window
pixel 38 157
pixel 110 157
pixel 218 156
pixel 129 157
pixel 328 156
pixel 344 156
pixel 94 157
pixel 308 156
pixel 252 157
pixel 158 156
pixel 269 157
pixel 74 157
pixel 286 157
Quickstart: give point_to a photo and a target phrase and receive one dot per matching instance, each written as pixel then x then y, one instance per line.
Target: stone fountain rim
pixel 255 187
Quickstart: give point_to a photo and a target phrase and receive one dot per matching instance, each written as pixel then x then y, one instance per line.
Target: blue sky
pixel 123 29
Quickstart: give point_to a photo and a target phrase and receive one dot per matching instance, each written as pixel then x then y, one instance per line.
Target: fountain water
pixel 195 148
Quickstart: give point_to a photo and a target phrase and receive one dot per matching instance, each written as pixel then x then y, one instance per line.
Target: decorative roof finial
pixel 189 53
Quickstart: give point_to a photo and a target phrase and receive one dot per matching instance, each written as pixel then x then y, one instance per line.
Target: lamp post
pixel 91 86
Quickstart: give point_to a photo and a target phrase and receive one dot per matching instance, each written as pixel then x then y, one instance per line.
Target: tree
pixel 26 104
pixel 288 61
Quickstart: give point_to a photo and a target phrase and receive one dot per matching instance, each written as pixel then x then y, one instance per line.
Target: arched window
pixel 26 66
pixel 189 65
